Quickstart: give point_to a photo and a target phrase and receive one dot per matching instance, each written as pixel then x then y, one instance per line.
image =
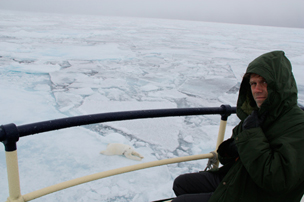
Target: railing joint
pixel 227 112
pixel 9 136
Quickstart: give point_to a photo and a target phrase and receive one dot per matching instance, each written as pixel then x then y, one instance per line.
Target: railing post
pixel 9 135
pixel 222 128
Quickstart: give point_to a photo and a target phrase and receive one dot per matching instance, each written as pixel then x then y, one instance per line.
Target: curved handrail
pixel 10 134
pixel 56 124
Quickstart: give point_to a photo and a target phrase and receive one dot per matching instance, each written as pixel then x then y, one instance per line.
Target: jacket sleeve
pixel 274 162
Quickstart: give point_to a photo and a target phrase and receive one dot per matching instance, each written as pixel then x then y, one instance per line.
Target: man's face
pixel 258 89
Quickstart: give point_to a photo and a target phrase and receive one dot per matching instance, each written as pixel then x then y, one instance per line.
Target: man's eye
pixel 264 83
pixel 252 83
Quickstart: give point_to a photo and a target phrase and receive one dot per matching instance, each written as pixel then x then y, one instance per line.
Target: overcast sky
pixel 282 13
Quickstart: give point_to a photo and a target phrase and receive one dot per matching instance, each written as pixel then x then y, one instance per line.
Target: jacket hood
pixel 276 69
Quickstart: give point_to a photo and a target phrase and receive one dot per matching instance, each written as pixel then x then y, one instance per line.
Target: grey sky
pixel 282 13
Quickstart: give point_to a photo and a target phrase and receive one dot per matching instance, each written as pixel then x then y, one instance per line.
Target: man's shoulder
pixel 295 113
pixel 292 118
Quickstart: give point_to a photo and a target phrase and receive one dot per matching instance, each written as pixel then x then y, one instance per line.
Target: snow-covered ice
pixel 54 66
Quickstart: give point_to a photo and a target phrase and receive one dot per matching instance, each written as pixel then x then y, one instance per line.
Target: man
pixel 264 158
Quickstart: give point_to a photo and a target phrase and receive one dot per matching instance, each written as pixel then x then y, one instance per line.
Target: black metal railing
pixel 10 133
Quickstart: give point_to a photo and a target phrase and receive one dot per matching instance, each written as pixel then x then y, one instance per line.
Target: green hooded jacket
pixel 271 157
